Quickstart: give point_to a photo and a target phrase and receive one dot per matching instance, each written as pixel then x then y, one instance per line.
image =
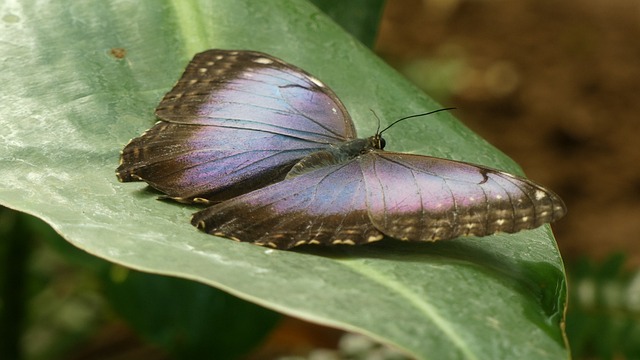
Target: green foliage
pixel 602 321
pixel 80 79
pixel 186 318
pixel 46 307
pixel 14 252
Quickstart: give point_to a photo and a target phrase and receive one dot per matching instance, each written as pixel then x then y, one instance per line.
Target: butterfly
pixel 274 153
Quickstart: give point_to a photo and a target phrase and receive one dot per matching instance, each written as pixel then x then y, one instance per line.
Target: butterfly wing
pixel 409 197
pixel 413 197
pixel 235 121
pixel 324 206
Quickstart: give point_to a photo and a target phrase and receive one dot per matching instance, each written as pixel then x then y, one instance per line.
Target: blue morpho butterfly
pixel 275 153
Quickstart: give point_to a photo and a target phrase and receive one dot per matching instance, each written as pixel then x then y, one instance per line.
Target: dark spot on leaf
pixel 118 53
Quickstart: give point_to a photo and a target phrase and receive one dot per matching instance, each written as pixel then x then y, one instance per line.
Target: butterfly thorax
pixel 337 154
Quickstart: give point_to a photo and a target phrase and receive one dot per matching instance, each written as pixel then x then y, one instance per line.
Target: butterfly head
pixel 376 142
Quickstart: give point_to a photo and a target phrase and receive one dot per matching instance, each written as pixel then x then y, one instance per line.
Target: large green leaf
pixel 79 79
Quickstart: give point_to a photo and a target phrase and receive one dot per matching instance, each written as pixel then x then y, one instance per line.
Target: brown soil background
pixel 553 84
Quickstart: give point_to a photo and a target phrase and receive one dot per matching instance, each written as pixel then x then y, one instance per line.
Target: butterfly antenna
pixel 376 116
pixel 411 116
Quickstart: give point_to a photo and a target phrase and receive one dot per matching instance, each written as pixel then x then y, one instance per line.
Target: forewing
pixel 253 90
pixel 236 121
pixel 324 206
pixel 421 198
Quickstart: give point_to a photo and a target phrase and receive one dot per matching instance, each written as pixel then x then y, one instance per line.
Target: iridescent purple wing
pixel 409 197
pixel 325 206
pixel 235 121
pixel 413 197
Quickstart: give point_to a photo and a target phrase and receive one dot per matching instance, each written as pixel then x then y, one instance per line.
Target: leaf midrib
pixel 419 302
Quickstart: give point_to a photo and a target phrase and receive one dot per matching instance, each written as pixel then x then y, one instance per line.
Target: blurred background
pixel 553 84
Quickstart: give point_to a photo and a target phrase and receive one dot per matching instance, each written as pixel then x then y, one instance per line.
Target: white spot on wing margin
pixel 263 60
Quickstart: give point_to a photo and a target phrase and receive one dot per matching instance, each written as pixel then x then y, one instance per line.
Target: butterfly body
pixel 276 154
pixel 335 154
